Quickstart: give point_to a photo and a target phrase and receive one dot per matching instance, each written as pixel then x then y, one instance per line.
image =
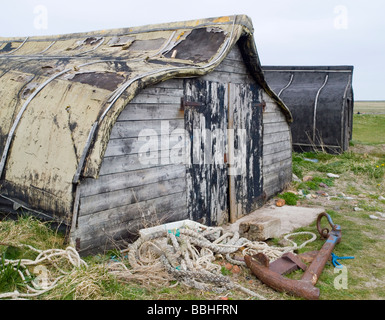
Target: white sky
pixel 287 32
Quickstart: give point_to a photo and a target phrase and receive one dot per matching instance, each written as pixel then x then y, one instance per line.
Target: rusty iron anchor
pixel 305 288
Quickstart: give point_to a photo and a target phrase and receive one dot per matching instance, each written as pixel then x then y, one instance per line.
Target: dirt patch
pixel 367 149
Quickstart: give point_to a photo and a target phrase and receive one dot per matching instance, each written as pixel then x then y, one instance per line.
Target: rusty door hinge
pixel 261 105
pixel 184 104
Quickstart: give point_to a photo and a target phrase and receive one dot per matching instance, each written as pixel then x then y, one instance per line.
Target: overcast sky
pixel 287 32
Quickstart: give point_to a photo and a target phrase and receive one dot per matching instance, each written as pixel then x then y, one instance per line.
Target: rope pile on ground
pixel 185 255
pixel 44 283
pixel 188 255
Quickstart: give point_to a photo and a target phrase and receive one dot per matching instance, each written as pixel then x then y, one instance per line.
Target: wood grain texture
pixel 134 189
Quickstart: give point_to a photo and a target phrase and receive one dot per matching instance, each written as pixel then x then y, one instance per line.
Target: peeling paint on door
pixel 224 175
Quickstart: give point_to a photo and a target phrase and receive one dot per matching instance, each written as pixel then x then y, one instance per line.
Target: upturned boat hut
pixel 110 131
pixel 321 101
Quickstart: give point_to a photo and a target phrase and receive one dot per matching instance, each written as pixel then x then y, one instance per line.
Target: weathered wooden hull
pixel 93 125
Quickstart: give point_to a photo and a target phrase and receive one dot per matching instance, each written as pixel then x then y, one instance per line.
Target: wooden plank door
pixel 245 150
pixel 205 104
pixel 224 128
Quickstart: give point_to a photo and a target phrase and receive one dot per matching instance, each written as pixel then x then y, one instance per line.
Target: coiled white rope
pixel 189 255
pixel 42 285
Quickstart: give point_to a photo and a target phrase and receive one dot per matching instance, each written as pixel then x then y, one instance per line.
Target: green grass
pixel 9 277
pixel 371 166
pixel 361 176
pixel 363 243
pixel 369 129
pixel 369 125
pixel 289 197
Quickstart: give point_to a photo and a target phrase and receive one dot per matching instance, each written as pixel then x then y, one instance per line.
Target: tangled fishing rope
pixel 42 284
pixel 188 255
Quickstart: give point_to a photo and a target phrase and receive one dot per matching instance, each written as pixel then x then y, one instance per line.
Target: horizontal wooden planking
pixel 135 129
pixel 109 237
pixel 106 239
pixel 235 54
pixel 277 159
pixel 145 211
pixel 276 174
pixel 130 179
pixel 234 60
pixel 276 137
pixel 168 84
pixel 159 95
pixel 270 117
pixel 140 161
pixel 120 147
pixel 165 88
pixel 273 189
pixel 125 146
pixel 278 166
pixel 135 111
pixel 124 197
pixel 278 180
pixel 271 107
pixel 283 167
pixel 233 67
pixel 226 77
pixel 275 127
pixel 270 191
pixel 279 156
pixel 273 148
pixel 119 218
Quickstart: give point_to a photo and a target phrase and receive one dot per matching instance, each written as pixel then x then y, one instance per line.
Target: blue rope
pixel 176 232
pixel 336 264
